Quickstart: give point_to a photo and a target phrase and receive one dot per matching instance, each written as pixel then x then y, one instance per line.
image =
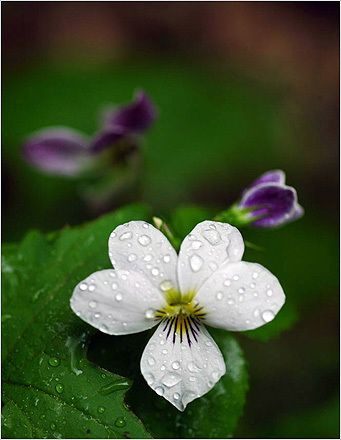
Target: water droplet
pixel 230 302
pixel 196 244
pixel 176 396
pixel 193 368
pixel 196 262
pixel 119 297
pixel 120 422
pixel 208 343
pixel 269 292
pixel 255 275
pixel 241 298
pixel 144 240
pixel 126 236
pixel 103 328
pixel 256 313
pixel 159 391
pixel 166 258
pixel 132 257
pixel 151 361
pixel 175 365
pixel 92 287
pixel 149 314
pixel 147 257
pixel 97 315
pixel 83 286
pixel 241 290
pixel 103 375
pixel 252 285
pixel 117 385
pixel 101 409
pixel 54 362
pixel 162 368
pixel 268 315
pixel 166 285
pixel 235 277
pixel 59 388
pixel 212 236
pixel 171 379
pixel 113 235
pixel 53 426
pixel 145 225
pixel 192 379
pixel 227 283
pixel 124 276
pixel 92 304
pixel 164 351
pixel 155 271
pixel 114 286
pixel 219 295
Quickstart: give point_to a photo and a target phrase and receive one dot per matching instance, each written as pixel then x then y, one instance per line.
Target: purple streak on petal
pixel 275 203
pixel 135 117
pixel 105 139
pixel 57 150
pixel 273 176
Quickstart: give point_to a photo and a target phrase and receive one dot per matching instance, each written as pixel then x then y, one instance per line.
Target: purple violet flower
pixel 125 122
pixel 271 202
pixel 57 150
pixel 66 152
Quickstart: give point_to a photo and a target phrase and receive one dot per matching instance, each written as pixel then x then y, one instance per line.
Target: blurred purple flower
pixel 125 121
pixel 271 202
pixel 57 150
pixel 66 152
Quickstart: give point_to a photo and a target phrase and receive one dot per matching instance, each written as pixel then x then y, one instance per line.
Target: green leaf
pixel 214 415
pixel 186 217
pixel 50 389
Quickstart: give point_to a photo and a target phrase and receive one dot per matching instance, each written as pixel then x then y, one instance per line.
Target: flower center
pixel 182 316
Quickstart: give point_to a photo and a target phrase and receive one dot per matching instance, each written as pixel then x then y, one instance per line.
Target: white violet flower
pixel 207 283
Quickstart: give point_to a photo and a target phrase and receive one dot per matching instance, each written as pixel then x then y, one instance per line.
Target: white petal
pixel 179 372
pixel 117 302
pixel 204 250
pixel 140 247
pixel 241 296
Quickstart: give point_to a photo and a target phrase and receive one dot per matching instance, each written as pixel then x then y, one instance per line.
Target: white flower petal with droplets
pixel 241 296
pixel 140 247
pixel 204 250
pixel 179 372
pixel 117 302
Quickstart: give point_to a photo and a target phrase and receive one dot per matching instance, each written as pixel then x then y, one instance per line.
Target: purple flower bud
pixel 106 138
pixel 57 150
pixel 133 118
pixel 272 202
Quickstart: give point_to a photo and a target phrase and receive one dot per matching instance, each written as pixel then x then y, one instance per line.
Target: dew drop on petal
pixel 126 236
pixel 149 314
pixel 166 285
pixel 255 275
pixel 269 292
pixel 227 283
pixel 196 262
pixel 92 287
pixel 175 365
pixel 92 304
pixel 97 315
pixel 164 351
pixel 171 379
pixel 241 290
pixel 196 244
pixel 235 277
pixel 132 257
pixel 83 286
pixel 256 313
pixel 219 295
pixel 151 361
pixel 212 236
pixel 159 391
pixel 155 271
pixel 268 315
pixel 144 240
pixel 119 297
pixel 193 368
pixel 166 258
pixel 148 257
pixel 114 286
pixel 176 396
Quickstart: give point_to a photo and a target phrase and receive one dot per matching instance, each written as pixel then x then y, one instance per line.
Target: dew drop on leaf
pixel 59 388
pixel 120 422
pixel 116 385
pixel 101 409
pixel 54 362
